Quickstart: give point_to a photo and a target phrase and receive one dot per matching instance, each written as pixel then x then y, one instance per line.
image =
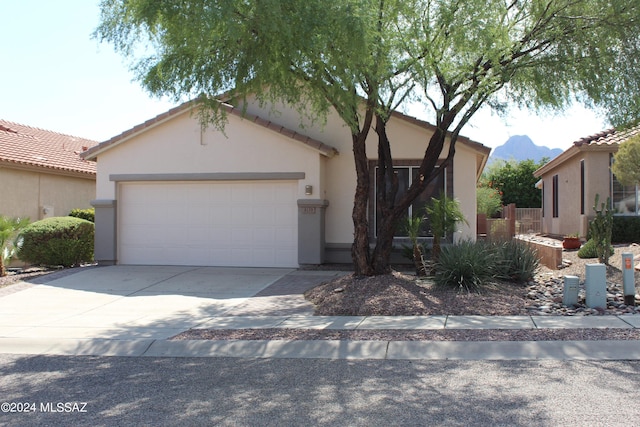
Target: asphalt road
pixel 120 391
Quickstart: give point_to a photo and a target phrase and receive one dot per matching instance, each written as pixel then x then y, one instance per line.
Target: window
pixel 406 173
pixel 554 195
pixel 624 198
pixel 581 187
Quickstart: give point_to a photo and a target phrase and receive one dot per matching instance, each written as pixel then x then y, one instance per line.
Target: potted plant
pixel 572 241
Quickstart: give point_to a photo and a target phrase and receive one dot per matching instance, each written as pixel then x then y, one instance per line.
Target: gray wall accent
pixel 222 176
pixel 311 230
pixel 338 253
pixel 105 248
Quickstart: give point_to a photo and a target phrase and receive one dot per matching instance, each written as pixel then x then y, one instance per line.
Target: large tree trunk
pixel 360 253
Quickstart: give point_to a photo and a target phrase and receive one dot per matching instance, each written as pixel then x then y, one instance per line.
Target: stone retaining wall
pixel 550 255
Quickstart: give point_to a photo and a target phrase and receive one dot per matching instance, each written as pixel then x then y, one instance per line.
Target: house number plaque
pixel 310 210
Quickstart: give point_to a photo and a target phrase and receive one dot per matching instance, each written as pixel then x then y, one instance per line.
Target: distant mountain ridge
pixel 521 147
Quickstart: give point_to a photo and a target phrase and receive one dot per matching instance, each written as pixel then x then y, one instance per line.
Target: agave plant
pixel 9 228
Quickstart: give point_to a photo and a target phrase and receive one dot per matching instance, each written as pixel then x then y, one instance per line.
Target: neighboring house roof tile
pixel 323 148
pixel 608 140
pixel 27 146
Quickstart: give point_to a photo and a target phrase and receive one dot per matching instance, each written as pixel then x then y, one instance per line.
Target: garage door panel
pixel 219 224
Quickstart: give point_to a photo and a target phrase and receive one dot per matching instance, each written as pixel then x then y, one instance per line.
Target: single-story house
pixel 268 190
pixel 570 182
pixel 42 174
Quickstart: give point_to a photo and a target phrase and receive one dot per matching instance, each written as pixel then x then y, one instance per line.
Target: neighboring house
pixel 41 172
pixel 264 192
pixel 571 181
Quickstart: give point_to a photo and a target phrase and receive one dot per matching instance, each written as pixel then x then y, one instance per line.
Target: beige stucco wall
pixel 409 141
pixel 178 146
pixel 24 193
pixel 597 181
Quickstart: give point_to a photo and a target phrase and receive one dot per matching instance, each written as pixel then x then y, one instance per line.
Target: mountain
pixel 521 147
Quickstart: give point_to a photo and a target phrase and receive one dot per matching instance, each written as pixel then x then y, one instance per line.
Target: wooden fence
pixel 528 220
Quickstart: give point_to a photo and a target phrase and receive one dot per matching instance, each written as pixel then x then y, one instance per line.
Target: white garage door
pixel 248 224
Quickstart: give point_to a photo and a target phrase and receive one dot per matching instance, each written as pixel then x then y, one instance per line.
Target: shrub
pixel 588 250
pixel 516 261
pixel 88 214
pixel 65 241
pixel 469 265
pixel 465 265
pixel 626 229
pixel 9 229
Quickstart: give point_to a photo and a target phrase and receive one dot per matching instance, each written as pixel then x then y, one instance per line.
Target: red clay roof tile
pixel 29 146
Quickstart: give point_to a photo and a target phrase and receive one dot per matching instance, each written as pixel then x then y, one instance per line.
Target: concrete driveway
pixel 135 302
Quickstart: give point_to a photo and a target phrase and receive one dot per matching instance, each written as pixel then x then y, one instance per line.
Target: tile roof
pixel 607 140
pixel 32 147
pixel 608 137
pixel 325 149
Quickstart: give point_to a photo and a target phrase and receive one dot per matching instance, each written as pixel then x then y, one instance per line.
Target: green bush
pixel 465 265
pixel 626 229
pixel 65 241
pixel 469 265
pixel 588 250
pixel 88 214
pixel 516 261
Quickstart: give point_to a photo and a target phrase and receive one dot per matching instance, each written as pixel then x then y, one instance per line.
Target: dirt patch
pixel 400 294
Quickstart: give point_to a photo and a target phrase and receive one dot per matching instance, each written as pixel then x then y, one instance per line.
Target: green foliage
pixel 515 182
pixel 465 266
pixel 600 228
pixel 626 229
pixel 488 201
pixel 9 242
pixel 444 214
pixel 517 261
pixel 367 58
pixel 88 214
pixel 65 241
pixel 626 165
pixel 412 227
pixel 469 265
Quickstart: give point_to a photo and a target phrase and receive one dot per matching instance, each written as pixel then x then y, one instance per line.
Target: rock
pixel 338 290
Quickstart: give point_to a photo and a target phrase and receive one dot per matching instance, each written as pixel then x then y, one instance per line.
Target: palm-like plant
pixel 9 228
pixel 412 226
pixel 444 214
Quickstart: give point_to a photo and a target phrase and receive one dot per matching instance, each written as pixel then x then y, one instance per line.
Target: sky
pixel 55 76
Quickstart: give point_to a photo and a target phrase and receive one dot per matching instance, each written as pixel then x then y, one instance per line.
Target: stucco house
pixel 265 191
pixel 570 182
pixel 41 172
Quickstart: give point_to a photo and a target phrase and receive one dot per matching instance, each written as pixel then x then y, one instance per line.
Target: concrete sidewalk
pixel 158 345
pixel 134 310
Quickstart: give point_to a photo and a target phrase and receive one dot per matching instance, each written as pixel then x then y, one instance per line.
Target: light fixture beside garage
pixel 308 190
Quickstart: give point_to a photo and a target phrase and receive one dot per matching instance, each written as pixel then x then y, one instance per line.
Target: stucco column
pixel 311 230
pixel 105 248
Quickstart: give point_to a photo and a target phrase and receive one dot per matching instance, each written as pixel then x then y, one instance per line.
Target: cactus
pixel 601 227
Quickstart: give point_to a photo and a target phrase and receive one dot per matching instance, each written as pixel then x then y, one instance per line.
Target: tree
pixel 366 58
pixel 514 181
pixel 626 165
pixel 488 201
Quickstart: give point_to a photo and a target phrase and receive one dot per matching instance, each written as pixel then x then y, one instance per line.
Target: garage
pixel 208 223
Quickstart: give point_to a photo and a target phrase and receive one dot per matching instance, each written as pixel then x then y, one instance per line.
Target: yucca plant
pixel 517 261
pixel 9 228
pixel 466 265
